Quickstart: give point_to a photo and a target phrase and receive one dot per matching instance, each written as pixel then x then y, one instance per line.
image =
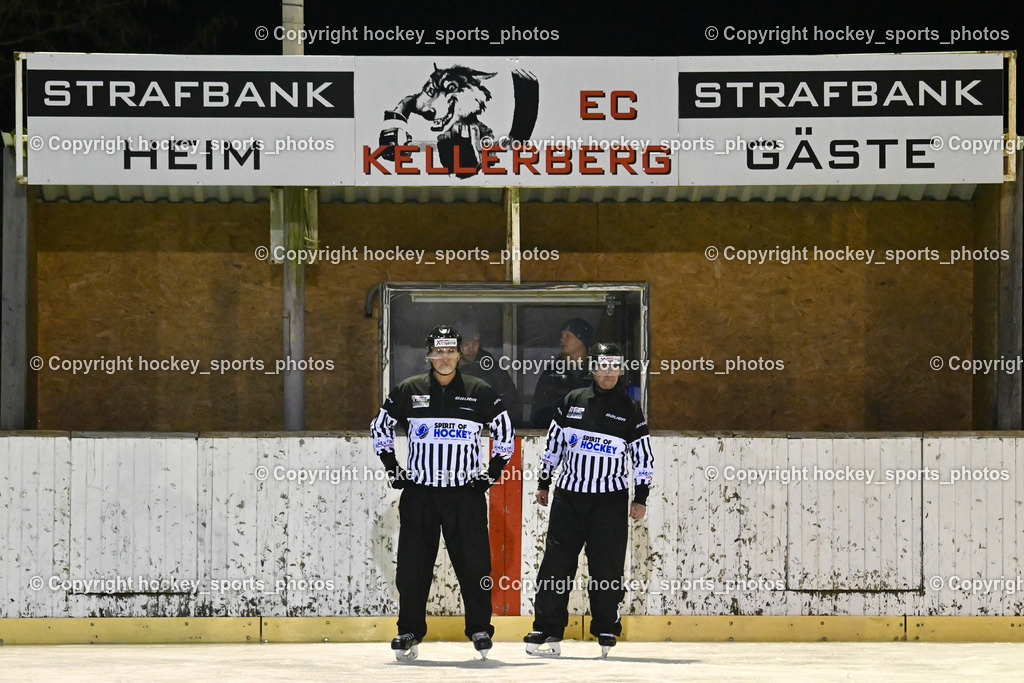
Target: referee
pixel 443 413
pixel 599 437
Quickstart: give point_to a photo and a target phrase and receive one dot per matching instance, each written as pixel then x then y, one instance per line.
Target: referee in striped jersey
pixel 443 413
pixel 599 438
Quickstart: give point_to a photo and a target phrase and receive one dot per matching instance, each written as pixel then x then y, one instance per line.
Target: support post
pixel 513 266
pixel 14 306
pixel 294 205
pixel 1011 219
pixel 295 220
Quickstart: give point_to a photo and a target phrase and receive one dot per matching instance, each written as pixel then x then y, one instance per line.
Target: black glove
pixel 485 480
pixel 640 493
pixel 398 477
pixel 388 138
pixel 482 481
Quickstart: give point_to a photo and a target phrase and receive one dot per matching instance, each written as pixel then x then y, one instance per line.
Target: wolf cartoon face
pixel 452 96
pixel 453 99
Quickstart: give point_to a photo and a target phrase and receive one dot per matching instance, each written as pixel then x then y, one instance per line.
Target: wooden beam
pixel 513 266
pixel 1011 301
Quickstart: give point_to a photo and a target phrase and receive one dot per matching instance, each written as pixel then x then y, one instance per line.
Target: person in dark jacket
pixel 570 373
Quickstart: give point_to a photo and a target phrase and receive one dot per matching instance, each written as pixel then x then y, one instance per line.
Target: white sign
pixel 530 121
pixel 849 120
pixel 184 120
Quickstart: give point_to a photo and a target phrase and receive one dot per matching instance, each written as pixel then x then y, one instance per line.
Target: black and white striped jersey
pixel 443 425
pixel 600 439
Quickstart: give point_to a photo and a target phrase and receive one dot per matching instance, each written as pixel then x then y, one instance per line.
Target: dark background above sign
pixel 641 28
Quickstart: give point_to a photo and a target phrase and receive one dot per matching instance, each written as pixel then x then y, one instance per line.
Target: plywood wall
pixel 161 280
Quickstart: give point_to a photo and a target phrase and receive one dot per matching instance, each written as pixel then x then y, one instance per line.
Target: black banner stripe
pixel 191 94
pixel 697 87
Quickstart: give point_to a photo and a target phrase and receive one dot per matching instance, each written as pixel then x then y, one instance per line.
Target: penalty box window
pixel 517 332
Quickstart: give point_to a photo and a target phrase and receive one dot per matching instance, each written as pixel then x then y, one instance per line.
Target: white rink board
pixel 243 525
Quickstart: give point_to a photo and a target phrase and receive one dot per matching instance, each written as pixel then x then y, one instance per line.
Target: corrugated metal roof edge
pixel 474 195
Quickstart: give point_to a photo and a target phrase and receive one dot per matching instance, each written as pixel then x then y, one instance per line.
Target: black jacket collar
pixel 456 382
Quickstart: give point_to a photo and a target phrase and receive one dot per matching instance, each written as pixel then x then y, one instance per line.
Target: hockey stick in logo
pixel 526 104
pixel 526 91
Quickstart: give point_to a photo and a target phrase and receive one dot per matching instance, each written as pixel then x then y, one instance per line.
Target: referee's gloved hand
pixel 482 481
pixel 485 480
pixel 398 476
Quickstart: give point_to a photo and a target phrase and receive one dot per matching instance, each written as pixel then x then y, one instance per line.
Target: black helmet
pixel 605 349
pixel 444 336
pixel 603 353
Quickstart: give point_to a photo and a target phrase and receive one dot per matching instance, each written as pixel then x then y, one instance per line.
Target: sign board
pixel 849 120
pixel 538 121
pixel 530 121
pixel 187 120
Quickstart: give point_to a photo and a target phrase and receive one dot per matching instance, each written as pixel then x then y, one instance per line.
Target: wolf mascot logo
pixel 453 100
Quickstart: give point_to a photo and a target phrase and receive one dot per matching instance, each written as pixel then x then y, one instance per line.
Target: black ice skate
pixel 607 642
pixel 405 647
pixel 536 641
pixel 482 643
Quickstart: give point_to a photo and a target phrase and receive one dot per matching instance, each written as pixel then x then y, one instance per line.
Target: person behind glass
pixel 479 362
pixel 570 372
pixel 443 413
pixel 600 439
